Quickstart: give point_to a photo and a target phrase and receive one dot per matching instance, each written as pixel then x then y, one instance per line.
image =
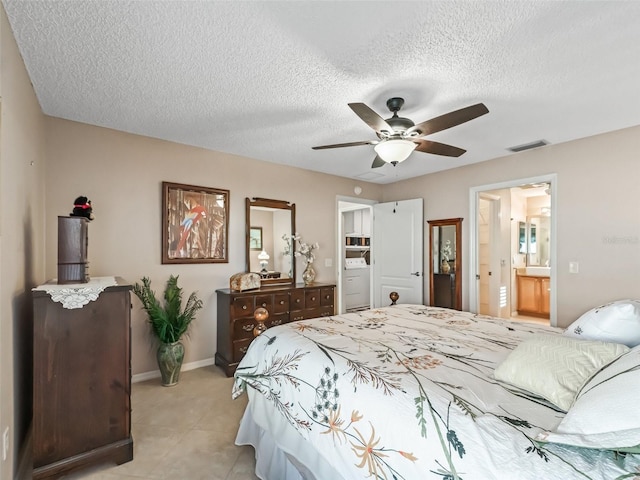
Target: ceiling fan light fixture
pixel 395 151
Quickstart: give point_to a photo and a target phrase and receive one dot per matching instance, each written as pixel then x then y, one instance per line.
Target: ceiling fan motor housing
pixel 395 104
pixel 399 124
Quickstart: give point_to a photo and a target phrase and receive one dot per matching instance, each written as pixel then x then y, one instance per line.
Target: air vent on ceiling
pixel 529 146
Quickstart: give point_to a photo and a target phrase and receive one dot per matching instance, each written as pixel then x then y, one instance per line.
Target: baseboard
pixel 141 377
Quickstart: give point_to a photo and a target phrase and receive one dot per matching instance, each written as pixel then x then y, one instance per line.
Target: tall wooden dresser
pixel 81 376
pixel 285 303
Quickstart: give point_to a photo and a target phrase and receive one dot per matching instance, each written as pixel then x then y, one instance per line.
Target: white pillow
pixel 605 414
pixel 617 322
pixel 555 367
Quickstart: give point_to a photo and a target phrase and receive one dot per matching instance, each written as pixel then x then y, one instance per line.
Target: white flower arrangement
pixel 446 251
pixel 303 249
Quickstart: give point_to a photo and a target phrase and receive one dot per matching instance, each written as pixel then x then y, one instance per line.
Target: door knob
pixel 417 274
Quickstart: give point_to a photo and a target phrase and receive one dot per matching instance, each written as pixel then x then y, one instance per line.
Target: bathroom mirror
pixel 445 263
pixel 538 240
pixel 269 252
pixel 522 237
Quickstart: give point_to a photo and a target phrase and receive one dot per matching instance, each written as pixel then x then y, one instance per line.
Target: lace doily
pixel 77 295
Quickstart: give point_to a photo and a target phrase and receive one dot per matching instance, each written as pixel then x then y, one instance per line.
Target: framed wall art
pixel 195 224
pixel 255 238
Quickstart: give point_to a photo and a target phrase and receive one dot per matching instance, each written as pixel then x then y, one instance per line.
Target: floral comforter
pixel 406 392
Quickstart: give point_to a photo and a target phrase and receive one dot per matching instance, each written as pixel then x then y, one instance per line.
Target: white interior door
pixel 488 262
pixel 484 256
pixel 397 247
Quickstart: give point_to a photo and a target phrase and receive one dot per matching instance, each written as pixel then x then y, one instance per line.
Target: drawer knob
pixel 264 305
pixel 281 302
pixel 248 328
pixel 327 297
pixel 244 307
pixel 313 299
pixel 297 300
pixel 243 349
pixel 276 322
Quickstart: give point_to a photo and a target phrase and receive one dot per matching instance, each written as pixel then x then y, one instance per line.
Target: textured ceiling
pixel 271 79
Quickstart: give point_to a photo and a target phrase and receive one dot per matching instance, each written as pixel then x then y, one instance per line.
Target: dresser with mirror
pixel 270 225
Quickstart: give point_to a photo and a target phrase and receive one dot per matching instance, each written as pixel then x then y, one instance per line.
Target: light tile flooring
pixel 184 432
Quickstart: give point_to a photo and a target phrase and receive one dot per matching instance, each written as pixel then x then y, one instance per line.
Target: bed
pixel 411 392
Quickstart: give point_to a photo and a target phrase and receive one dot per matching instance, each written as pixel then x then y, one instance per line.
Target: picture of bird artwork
pixel 190 220
pixel 195 223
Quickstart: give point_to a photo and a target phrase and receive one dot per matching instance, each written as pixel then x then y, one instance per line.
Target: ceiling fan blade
pixel 437 148
pixel 449 120
pixel 377 162
pixel 350 144
pixel 370 117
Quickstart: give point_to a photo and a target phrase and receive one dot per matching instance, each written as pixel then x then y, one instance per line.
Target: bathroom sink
pixel 535 271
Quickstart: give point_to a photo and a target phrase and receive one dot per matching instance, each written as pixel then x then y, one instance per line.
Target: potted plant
pixel 169 322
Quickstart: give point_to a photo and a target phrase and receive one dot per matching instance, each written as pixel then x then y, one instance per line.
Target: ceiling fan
pixel 399 136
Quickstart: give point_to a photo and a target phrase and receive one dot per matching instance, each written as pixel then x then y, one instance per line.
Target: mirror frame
pixel 456 222
pixel 277 204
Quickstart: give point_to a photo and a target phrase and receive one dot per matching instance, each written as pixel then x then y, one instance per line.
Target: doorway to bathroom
pixel 513 250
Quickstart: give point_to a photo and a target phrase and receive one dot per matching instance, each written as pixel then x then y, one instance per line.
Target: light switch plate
pixel 573 267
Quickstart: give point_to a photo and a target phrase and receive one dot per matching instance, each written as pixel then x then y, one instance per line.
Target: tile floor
pixel 183 432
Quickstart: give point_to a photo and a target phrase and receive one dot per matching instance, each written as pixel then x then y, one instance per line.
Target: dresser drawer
pixel 312 298
pixel 277 319
pixel 326 296
pixel 242 306
pixel 296 301
pixel 313 313
pixel 325 311
pixel 264 301
pixel 240 348
pixel 280 303
pixel 243 328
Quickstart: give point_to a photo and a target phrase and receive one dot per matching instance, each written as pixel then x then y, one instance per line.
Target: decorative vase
pixel 170 356
pixel 309 274
pixel 445 267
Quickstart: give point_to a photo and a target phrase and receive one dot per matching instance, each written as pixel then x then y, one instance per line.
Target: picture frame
pixel 255 238
pixel 195 224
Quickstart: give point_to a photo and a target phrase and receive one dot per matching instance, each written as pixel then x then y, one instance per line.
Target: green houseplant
pixel 169 322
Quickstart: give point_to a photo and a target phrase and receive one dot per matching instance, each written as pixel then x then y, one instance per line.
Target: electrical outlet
pixel 5 444
pixel 574 267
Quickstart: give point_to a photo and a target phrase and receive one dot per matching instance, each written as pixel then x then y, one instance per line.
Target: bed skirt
pixel 281 459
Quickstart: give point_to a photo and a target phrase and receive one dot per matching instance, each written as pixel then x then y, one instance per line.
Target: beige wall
pixel 598 212
pixel 598 218
pixel 21 240
pixel 122 175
